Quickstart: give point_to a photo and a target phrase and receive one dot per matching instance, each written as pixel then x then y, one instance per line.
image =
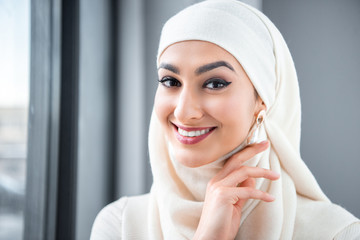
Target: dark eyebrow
pixel 200 70
pixel 213 65
pixel 169 67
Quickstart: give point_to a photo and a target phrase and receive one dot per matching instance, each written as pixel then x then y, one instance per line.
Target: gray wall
pixel 323 37
pixel 95 112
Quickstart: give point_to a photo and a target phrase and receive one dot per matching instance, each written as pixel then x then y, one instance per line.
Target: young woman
pixel 224 139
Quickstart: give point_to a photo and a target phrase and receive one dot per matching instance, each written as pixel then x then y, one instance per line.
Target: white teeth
pixel 193 133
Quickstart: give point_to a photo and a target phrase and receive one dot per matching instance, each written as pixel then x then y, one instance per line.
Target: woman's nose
pixel 188 107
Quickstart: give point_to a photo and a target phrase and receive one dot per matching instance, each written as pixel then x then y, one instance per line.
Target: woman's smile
pixel 191 135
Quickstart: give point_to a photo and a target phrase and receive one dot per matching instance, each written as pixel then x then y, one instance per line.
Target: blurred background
pixel 77 81
pixel 14 101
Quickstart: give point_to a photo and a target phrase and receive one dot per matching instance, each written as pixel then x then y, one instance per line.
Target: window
pixel 14 94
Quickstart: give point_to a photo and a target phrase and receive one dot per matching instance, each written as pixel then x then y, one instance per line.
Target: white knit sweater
pixel 108 223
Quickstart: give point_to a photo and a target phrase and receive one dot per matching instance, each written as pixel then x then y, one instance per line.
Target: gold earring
pixel 254 131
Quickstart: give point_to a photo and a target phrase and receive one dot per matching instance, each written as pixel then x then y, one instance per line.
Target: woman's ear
pixel 260 105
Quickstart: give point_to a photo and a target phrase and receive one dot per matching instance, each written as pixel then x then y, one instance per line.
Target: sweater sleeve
pixel 351 232
pixel 108 222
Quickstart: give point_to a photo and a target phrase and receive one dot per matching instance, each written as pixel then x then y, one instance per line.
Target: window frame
pixel 51 154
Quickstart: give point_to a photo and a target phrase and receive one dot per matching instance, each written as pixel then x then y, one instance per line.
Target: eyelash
pixel 217 81
pixel 165 80
pixel 170 82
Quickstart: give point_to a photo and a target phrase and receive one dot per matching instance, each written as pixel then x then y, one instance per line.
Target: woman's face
pixel 204 101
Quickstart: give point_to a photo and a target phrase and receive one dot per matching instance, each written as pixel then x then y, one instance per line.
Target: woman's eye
pixel 170 82
pixel 216 84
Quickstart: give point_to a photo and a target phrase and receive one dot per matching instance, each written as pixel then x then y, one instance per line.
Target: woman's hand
pixel 227 193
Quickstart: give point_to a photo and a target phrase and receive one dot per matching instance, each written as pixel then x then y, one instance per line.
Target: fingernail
pixel 271 197
pixel 264 142
pixel 276 174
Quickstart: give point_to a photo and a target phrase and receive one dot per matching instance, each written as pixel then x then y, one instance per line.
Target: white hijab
pixel 301 210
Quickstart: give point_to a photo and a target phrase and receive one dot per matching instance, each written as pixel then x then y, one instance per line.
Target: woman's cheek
pixel 223 109
pixel 163 105
pixel 233 116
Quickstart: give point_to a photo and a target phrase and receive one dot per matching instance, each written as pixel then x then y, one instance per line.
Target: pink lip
pixel 191 140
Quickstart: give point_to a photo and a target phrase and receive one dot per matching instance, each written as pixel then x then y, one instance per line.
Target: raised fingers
pixel 234 195
pixel 251 193
pixel 243 173
pixel 239 158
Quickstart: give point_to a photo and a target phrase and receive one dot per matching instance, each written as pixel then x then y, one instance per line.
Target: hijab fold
pixel 178 192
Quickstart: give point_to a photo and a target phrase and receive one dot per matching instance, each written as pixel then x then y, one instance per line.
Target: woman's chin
pixel 193 160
